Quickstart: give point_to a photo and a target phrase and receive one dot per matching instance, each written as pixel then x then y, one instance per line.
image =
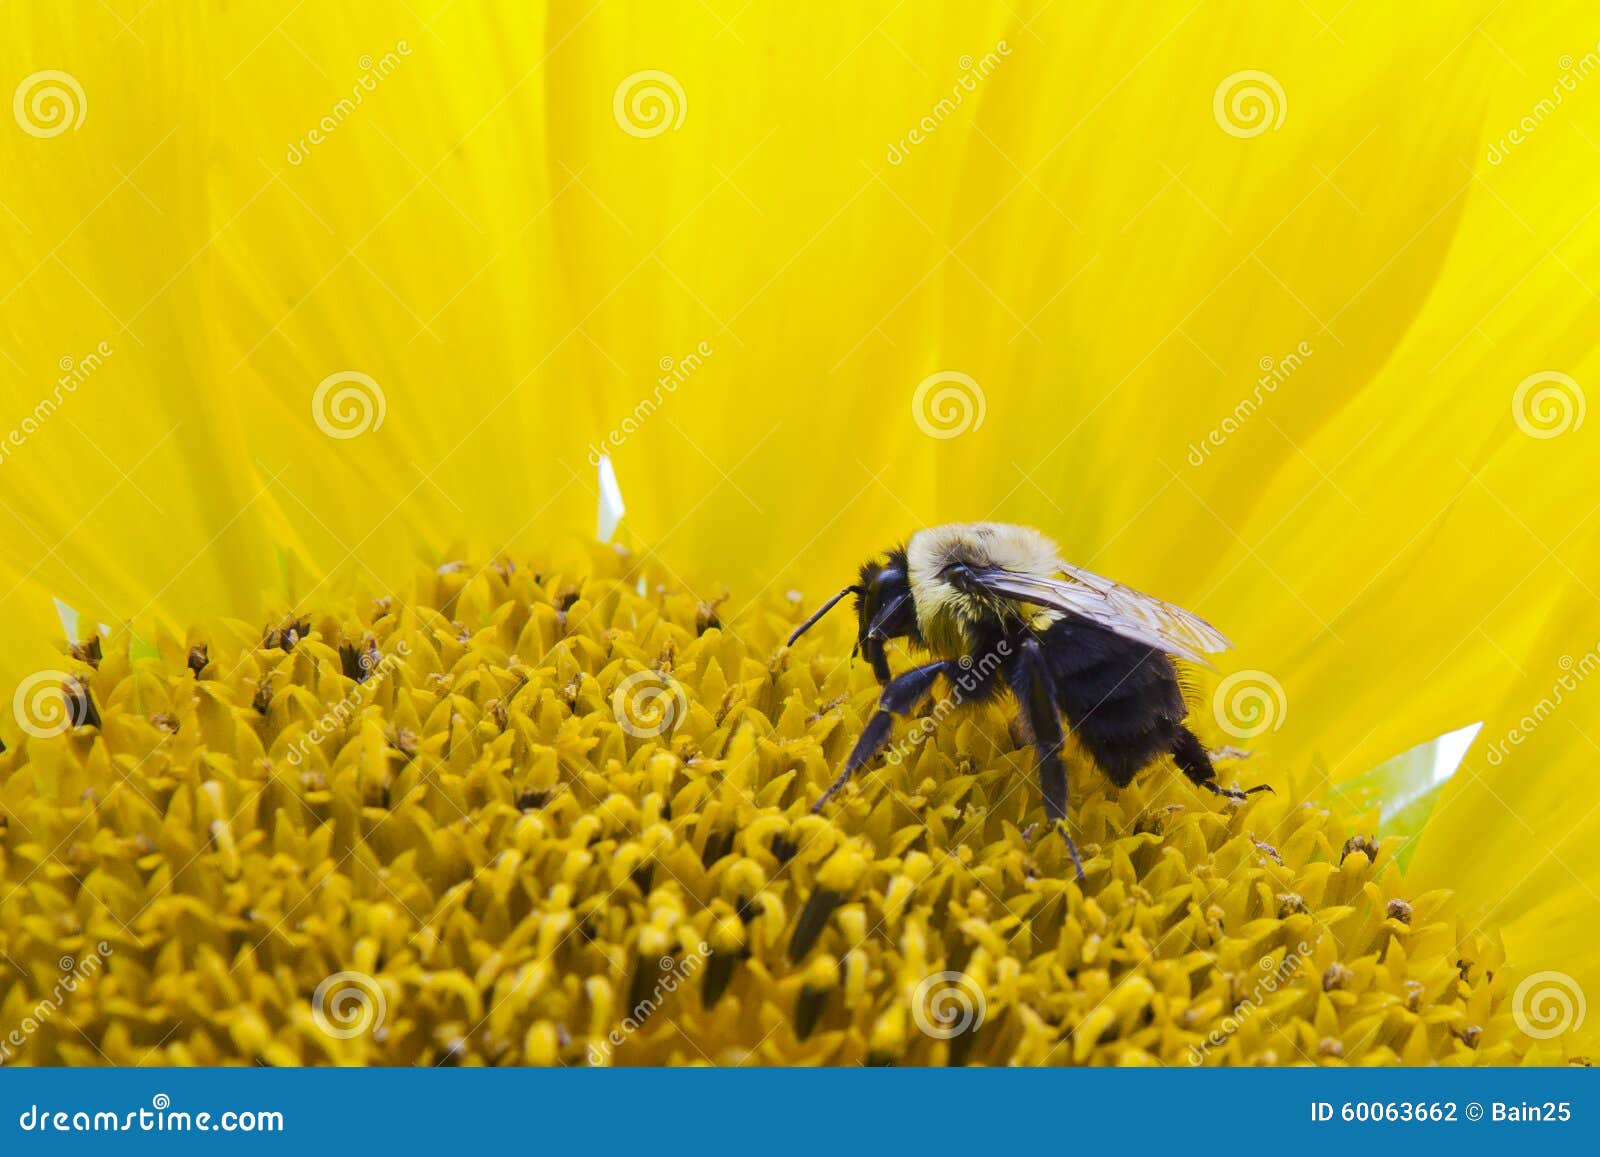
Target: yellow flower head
pixel 532 815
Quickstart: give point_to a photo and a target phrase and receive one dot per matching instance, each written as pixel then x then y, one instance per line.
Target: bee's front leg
pixel 900 695
pixel 875 654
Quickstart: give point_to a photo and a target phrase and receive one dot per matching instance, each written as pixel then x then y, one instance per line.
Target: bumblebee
pixel 1000 611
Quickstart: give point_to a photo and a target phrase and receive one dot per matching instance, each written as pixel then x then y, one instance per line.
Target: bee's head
pixel 884 609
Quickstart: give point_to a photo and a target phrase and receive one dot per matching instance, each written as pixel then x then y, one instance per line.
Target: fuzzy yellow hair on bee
pixel 946 613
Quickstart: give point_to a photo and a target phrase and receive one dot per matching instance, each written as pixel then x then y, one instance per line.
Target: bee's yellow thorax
pixel 946 615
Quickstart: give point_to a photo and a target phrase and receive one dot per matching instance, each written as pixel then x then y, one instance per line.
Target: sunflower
pixel 535 815
pixel 1279 313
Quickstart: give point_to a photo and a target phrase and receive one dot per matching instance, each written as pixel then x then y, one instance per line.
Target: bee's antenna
pixel 826 607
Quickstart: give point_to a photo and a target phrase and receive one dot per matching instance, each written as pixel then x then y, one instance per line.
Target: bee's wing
pixel 1122 610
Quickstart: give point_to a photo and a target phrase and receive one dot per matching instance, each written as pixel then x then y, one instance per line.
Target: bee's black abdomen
pixel 1121 697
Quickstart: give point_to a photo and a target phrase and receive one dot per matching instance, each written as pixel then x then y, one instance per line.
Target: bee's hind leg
pixel 900 695
pixel 1194 761
pixel 1035 692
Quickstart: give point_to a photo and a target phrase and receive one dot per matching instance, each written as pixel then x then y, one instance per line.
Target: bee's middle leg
pixel 1036 693
pixel 900 696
